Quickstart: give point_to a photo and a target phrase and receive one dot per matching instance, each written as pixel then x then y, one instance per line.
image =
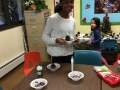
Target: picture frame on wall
pixel 99 8
pixel 57 2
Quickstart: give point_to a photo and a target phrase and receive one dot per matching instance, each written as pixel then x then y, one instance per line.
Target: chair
pixel 110 45
pixel 118 58
pixel 30 59
pixel 88 57
pixel 1 88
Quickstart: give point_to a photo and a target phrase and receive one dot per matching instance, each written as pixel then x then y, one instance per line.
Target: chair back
pixel 30 59
pixel 1 88
pixel 110 45
pixel 88 57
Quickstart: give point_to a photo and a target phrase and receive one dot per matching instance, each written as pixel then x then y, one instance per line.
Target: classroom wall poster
pixel 98 8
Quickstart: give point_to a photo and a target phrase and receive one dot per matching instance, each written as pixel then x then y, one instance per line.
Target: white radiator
pixel 12 49
pixel 11 65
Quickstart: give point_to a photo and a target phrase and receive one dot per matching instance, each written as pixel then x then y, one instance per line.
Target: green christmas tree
pixel 106 26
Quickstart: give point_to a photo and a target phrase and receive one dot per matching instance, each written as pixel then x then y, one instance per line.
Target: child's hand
pixel 61 41
pixel 89 43
pixel 76 39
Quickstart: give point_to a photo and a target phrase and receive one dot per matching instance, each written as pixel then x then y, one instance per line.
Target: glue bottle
pixel 118 67
pixel 39 71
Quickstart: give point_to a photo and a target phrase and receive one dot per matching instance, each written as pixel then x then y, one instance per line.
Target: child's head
pixel 64 5
pixel 95 23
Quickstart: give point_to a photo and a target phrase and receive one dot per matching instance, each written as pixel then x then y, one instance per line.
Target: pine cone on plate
pixel 53 66
pixel 67 38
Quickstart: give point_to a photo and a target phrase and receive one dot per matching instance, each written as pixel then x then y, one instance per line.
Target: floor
pixel 9 81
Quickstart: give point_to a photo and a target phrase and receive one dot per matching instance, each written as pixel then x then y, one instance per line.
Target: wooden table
pixel 58 80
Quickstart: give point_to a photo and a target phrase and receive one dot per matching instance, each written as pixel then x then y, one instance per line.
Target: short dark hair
pixel 57 9
pixel 60 0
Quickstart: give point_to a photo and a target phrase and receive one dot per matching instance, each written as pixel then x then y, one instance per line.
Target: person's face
pixel 93 24
pixel 67 5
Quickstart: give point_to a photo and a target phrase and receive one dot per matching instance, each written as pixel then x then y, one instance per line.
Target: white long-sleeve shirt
pixel 58 27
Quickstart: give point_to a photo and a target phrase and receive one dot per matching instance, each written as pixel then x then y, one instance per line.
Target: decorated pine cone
pixel 67 38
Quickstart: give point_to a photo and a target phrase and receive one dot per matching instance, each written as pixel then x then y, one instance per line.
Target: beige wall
pixel 82 28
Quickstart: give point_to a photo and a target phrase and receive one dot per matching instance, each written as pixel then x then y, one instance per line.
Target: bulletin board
pixel 57 2
pixel 98 8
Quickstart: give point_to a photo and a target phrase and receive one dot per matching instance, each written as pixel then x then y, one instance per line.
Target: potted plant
pixel 35 5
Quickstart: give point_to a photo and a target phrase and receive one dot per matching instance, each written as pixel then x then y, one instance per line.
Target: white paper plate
pixel 56 64
pixel 32 84
pixel 71 41
pixel 74 73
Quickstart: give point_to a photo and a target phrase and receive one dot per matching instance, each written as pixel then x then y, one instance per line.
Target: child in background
pixel 58 26
pixel 96 37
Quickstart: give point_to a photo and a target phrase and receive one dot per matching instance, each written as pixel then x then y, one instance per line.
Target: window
pixel 11 13
pixel 2 20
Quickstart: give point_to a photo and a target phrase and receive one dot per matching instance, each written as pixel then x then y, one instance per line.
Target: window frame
pixel 8 23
